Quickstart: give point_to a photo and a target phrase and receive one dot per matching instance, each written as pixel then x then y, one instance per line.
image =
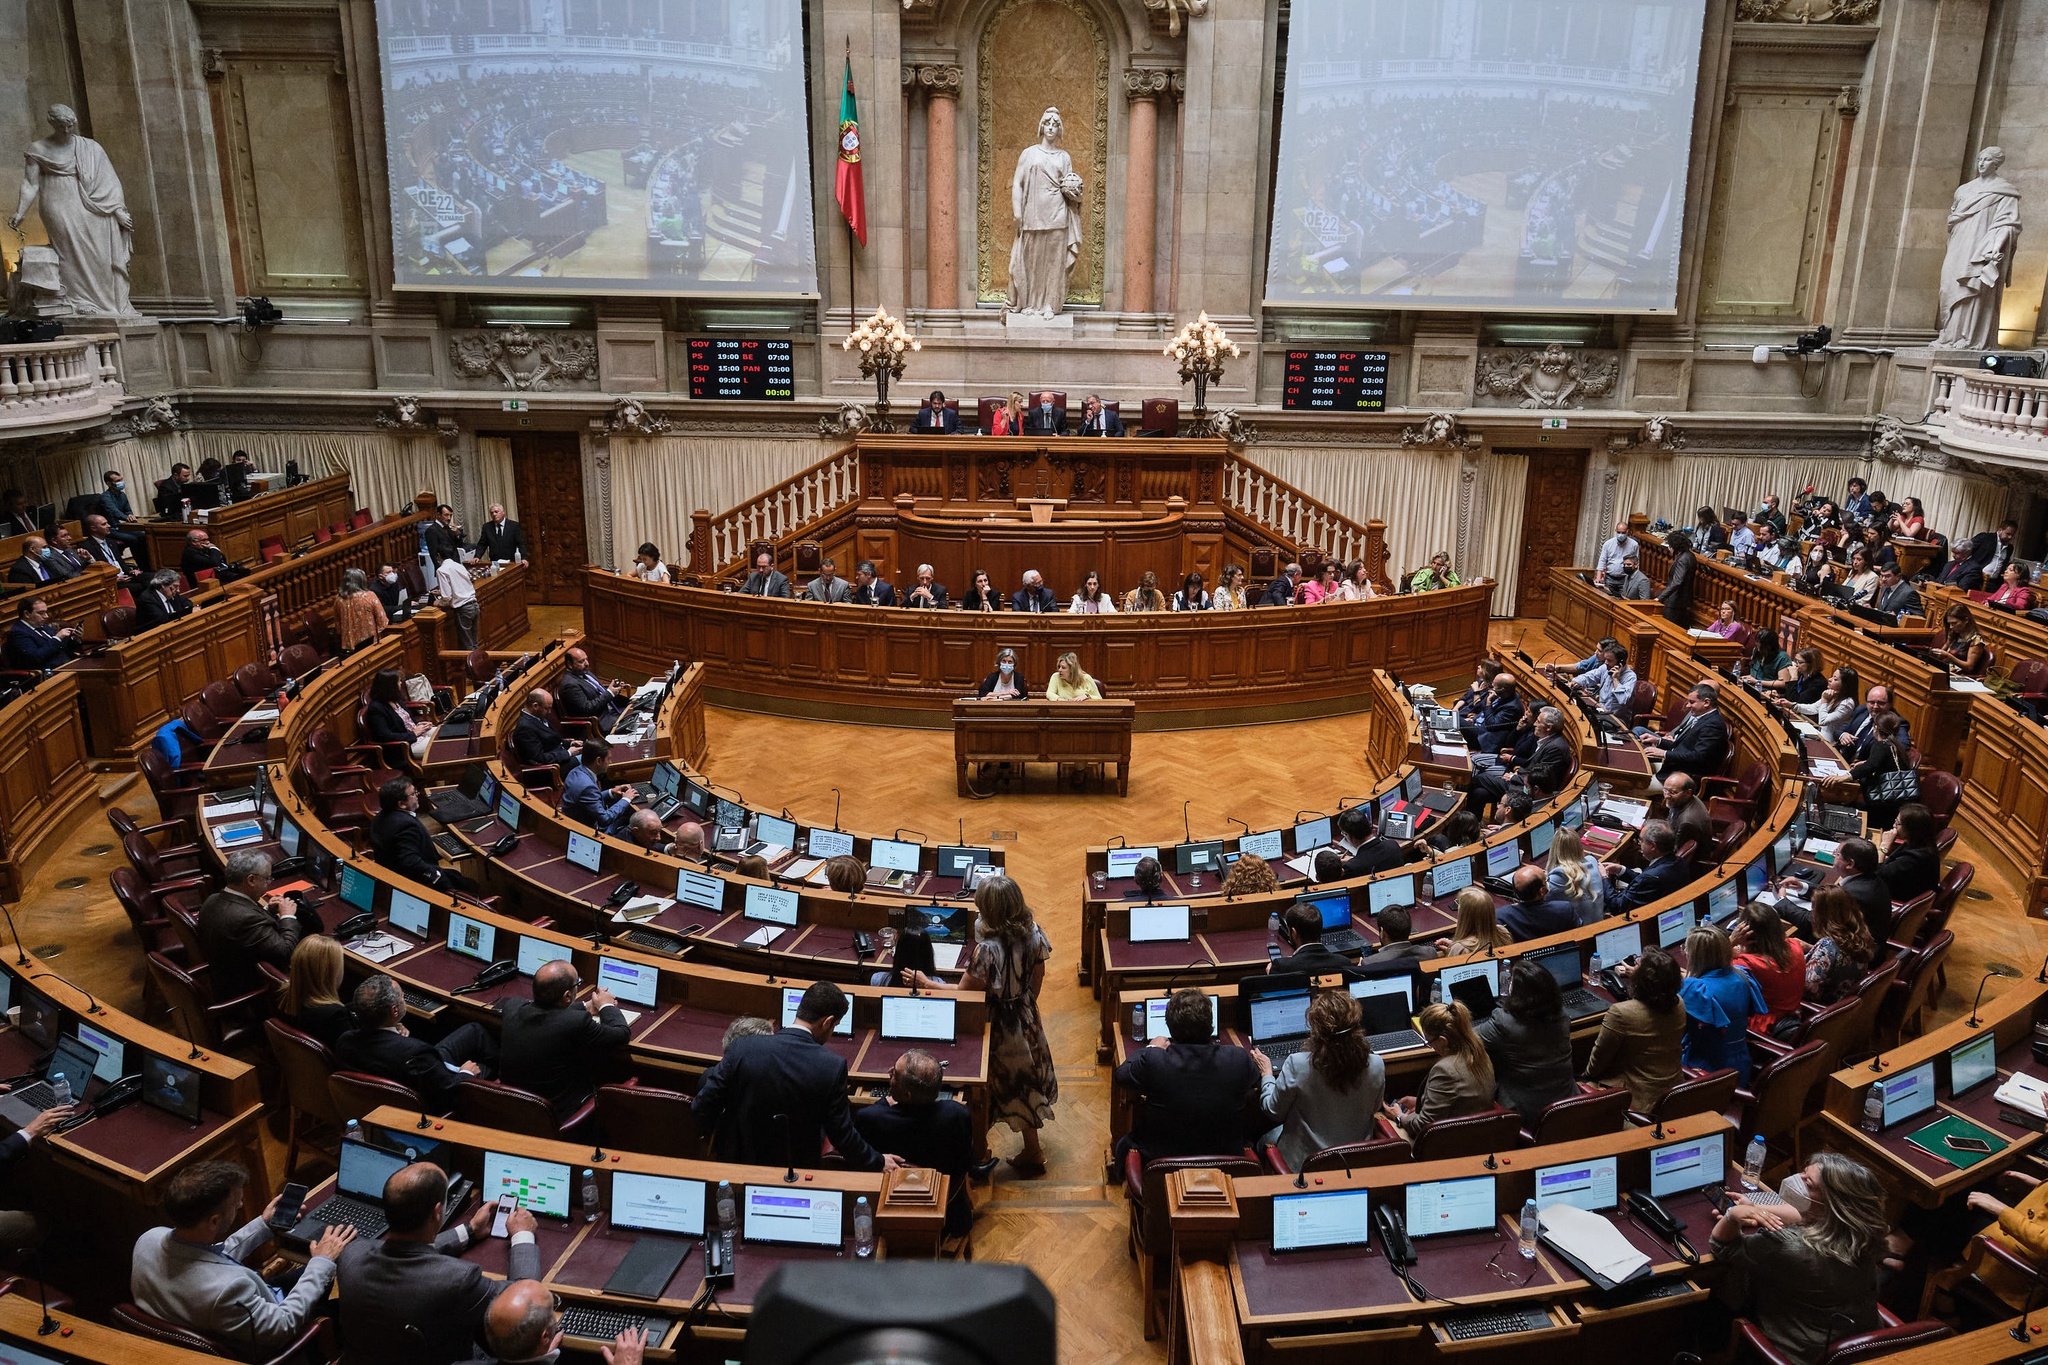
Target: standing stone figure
pixel 1983 230
pixel 83 213
pixel 1045 195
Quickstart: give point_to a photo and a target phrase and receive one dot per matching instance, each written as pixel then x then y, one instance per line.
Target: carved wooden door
pixel 547 474
pixel 1552 496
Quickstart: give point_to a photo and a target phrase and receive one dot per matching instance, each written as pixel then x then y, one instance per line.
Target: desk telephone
pixel 622 893
pixel 119 1095
pixel 1393 1233
pixel 1653 1215
pixel 355 925
pixel 490 976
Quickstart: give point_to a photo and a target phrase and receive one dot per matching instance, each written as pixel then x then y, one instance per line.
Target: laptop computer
pixel 1564 967
pixel 466 802
pixel 1338 935
pixel 1278 1020
pixel 1388 1025
pixel 358 1198
pixel 73 1062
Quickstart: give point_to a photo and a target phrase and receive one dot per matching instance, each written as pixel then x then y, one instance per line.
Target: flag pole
pixel 852 317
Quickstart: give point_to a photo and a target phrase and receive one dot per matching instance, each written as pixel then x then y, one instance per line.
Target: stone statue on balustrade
pixel 1045 194
pixel 1983 231
pixel 71 180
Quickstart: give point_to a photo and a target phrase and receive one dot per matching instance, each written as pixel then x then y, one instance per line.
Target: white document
pixel 1827 767
pixel 227 808
pixel 762 938
pixel 1630 813
pixel 2028 1094
pixel 642 908
pixel 946 956
pixel 1449 750
pixel 1807 728
pixel 1593 1240
pixel 377 947
pixel 804 867
pixel 265 713
pixel 1305 865
pixel 1960 684
pixel 632 1016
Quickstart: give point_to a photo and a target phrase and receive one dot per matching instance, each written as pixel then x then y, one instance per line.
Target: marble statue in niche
pixel 70 178
pixel 1045 196
pixel 1983 231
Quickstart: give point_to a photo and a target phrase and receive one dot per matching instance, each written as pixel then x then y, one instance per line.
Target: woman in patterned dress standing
pixel 1009 963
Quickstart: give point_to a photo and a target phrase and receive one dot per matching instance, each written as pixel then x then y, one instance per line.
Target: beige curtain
pixel 1414 493
pixel 1676 488
pixel 657 482
pixel 494 470
pixel 385 471
pixel 1499 553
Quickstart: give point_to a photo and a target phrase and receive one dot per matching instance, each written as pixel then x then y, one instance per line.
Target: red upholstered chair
pixel 223 1025
pixel 1498 1130
pixel 176 844
pixel 1708 1093
pixel 1909 918
pixel 1749 791
pixel 1905 1001
pixel 315 631
pixel 1159 417
pixel 305 1063
pixel 160 872
pixel 322 534
pixel 1151 1232
pixel 1774 1104
pixel 480 666
pixel 492 1104
pixel 807 557
pixel 316 1345
pixel 204 723
pixel 644 1118
pixel 1941 793
pixel 1355 1156
pixel 1850 1350
pixel 985 412
pixel 224 700
pixel 117 623
pixel 361 519
pixel 298 660
pixel 356 1093
pixel 255 682
pixel 271 548
pixel 1588 1115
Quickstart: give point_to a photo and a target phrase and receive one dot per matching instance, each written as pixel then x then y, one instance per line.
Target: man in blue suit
pixel 33 643
pixel 1664 874
pixel 1699 746
pixel 774 1098
pixel 1856 735
pixel 585 798
pixel 1535 913
pixel 1496 719
pixel 935 418
pixel 120 513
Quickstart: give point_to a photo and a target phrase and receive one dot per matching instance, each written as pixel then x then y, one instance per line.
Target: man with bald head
pixel 689 844
pixel 585 696
pixel 555 1045
pixel 535 738
pixel 524 1327
pixel 920 1124
pixel 644 829
pixel 406 1299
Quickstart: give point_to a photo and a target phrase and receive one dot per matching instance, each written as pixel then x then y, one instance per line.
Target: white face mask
pixel 391 578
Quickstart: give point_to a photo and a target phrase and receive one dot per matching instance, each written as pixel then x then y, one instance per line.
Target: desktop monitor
pixel 1122 863
pixel 1155 1017
pixel 488 793
pixel 828 843
pixel 1753 878
pixel 1619 945
pixel 1338 1218
pixel 1572 816
pixel 1202 857
pixel 1439 1207
pixel 893 856
pixel 667 779
pixel 1399 890
pixel 6 991
pixel 1690 1165
pixel 696 797
pixel 171 1087
pixel 410 913
pixel 633 982
pixel 1540 839
pixel 543 1187
pixel 928 1018
pixel 1781 853
pixel 508 810
pixel 289 837
pixel 793 1217
pixel 1267 845
pixel 111 1052
pixel 1502 859
pixel 771 905
pixel 657 1203
pixel 1589 1185
pixel 1160 924
pixel 728 814
pixel 1799 828
pixel 471 938
pixel 358 887
pixel 1400 987
pixel 1908 1093
pixel 695 888
pixel 1673 925
pixel 1449 878
pixel 39 1019
pixel 585 852
pixel 959 860
pixel 1723 902
pixel 1311 835
pixel 1411 785
pixel 1969 1064
pixel 775 831
pixel 792 996
pixel 536 953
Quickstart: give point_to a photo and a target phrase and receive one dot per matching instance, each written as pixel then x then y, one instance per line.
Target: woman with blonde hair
pixel 1009 965
pixel 1576 876
pixel 1461 1080
pixel 1250 875
pixel 1008 420
pixel 1326 1094
pixel 311 1000
pixel 1478 926
pixel 1812 1272
pixel 1718 1002
pixel 1070 681
pixel 357 610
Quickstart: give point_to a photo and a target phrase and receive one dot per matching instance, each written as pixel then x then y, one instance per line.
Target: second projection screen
pixel 1485 153
pixel 565 145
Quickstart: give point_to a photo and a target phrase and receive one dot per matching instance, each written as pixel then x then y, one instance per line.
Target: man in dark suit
pixel 1535 912
pixel 1664 874
pixel 1857 859
pixel 1034 596
pixel 400 842
pixel 927 592
pixel 18 518
pixel 870 589
pixel 32 642
pixel 500 540
pixel 102 546
pixel 1699 745
pixel 408 1298
pixel 585 696
pixel 443 536
pixel 1096 420
pixel 390 590
pixel 1894 595
pixel 1856 735
pixel 201 554
pixel 241 926
pixel 65 560
pixel 1397 954
pixel 1679 584
pixel 164 600
pixel 1686 813
pixel 927 1130
pixel 1195 1093
pixel 1043 419
pixel 1548 763
pixel 536 740
pixel 766 580
pixel 34 565
pixel 553 1045
pixel 380 1045
pixel 1301 934
pixel 774 1098
pixel 1496 719
pixel 1280 592
pixel 120 514
pixel 935 418
pixel 171 493
pixel 1365 850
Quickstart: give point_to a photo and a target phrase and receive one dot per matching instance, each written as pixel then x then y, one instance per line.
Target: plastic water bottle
pixel 1273 927
pixel 863 1229
pixel 728 1212
pixel 1594 969
pixel 353 1132
pixel 1873 1109
pixel 62 1087
pixel 589 1195
pixel 1753 1164
pixel 1527 1243
pixel 1436 990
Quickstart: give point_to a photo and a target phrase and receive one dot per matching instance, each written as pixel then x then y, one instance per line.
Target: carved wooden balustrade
pixel 794 507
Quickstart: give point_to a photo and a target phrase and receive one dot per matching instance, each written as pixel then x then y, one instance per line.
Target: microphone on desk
pixel 788 1175
pixel 48 1326
pixel 1994 969
pixel 1233 820
pixel 835 808
pixel 2020 1331
pixel 1115 841
pixel 21 958
pixel 902 830
pixel 195 1054
pixel 92 1006
pixel 1186 834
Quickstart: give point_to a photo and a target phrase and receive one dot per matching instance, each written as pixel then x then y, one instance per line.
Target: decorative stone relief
pixel 1550 378
pixel 406 414
pixel 597 480
pixel 1233 429
pixel 1892 443
pixel 1169 13
pixel 1806 11
pixel 630 414
pixel 155 414
pixel 1440 429
pixel 525 360
pixel 850 420
pixel 1659 433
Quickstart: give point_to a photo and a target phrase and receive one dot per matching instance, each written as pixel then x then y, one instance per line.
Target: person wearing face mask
pixel 390 592
pixel 34 564
pixel 1004 684
pixel 120 514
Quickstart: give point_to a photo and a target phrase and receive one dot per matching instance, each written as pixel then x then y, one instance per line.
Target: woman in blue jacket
pixel 1718 1002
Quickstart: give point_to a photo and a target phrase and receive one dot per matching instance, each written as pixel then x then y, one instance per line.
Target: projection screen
pixel 1522 154
pixel 571 145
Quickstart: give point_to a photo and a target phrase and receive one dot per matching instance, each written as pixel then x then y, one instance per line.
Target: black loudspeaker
pixel 2012 366
pixel 913 1313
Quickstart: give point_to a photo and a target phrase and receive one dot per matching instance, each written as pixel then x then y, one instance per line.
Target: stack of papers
pixel 1630 813
pixel 377 947
pixel 227 808
pixel 1591 1240
pixel 1449 750
pixel 2027 1094
pixel 804 867
pixel 642 908
pixel 762 938
pixel 1961 684
pixel 1305 865
pixel 1827 767
pixel 946 956
pixel 267 713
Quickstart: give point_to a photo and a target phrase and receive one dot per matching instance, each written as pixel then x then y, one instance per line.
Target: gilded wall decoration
pixel 1036 53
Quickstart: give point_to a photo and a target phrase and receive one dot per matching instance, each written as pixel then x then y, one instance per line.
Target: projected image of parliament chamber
pixel 549 146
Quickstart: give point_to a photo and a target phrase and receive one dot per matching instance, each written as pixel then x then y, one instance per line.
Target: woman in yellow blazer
pixel 1071 683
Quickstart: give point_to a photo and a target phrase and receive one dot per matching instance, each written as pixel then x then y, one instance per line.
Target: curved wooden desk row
pixel 288 514
pixel 44 778
pixel 906 667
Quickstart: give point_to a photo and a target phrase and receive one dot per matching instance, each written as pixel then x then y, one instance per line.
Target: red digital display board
pixel 1340 381
pixel 730 367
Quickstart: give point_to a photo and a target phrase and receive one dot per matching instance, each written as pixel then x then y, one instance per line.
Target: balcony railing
pixel 1980 413
pixel 72 382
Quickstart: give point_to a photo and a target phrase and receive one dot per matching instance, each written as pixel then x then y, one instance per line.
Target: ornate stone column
pixel 941 86
pixel 1143 87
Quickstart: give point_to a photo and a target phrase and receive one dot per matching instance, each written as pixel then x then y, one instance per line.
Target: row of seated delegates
pixel 171 493
pixel 109 520
pixel 1069 682
pixel 405 1296
pixel 1020 417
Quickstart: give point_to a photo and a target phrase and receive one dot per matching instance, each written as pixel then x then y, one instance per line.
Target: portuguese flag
pixel 852 202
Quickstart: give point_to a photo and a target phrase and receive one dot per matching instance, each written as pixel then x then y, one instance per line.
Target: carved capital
pixel 935 80
pixel 1152 82
pixel 1806 11
pixel 1168 14
pixel 1849 103
pixel 1658 433
pixel 213 64
pixel 630 414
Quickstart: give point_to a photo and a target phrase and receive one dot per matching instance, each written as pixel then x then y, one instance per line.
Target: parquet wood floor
pixel 1066 1225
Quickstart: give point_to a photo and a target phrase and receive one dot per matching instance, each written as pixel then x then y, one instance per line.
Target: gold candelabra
pixel 1201 348
pixel 884 344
